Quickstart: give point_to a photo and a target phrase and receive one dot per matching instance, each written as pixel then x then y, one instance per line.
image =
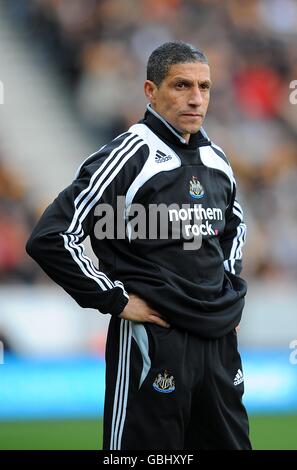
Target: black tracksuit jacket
pixel 196 290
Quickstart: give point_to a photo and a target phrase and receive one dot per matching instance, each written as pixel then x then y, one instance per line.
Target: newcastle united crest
pixel 196 189
pixel 164 382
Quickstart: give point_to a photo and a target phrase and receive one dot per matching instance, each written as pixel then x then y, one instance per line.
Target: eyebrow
pixel 184 79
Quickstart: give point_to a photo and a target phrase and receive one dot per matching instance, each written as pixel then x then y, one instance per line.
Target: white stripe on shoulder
pixel 219 148
pixel 152 165
pixel 212 160
pixel 94 153
pixel 108 163
pixel 86 159
pixel 102 183
pixel 73 235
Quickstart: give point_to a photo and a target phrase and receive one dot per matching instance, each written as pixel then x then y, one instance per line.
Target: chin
pixel 194 131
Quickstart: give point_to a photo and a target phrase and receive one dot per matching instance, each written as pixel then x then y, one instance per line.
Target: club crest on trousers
pixel 164 382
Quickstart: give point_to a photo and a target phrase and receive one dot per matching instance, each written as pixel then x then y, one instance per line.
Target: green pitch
pixel 267 432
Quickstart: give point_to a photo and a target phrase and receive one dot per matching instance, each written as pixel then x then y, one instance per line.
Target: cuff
pixel 119 306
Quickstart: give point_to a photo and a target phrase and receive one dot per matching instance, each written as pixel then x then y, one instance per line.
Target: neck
pixel 182 138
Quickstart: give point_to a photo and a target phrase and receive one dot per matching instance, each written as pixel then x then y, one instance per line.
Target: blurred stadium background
pixel 71 76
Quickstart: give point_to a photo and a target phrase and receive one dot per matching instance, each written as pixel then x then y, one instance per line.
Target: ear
pixel 150 90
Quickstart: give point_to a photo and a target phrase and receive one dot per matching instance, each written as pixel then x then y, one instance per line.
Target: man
pixel 173 373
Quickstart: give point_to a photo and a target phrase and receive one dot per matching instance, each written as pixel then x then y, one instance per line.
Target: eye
pixel 181 85
pixel 205 86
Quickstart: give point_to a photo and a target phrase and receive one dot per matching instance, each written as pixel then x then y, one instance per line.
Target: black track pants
pixel 169 390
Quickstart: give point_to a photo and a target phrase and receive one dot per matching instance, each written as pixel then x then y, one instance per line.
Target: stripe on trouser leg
pixel 140 336
pixel 122 386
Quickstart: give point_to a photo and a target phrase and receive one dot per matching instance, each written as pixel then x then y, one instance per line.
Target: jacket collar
pixel 159 125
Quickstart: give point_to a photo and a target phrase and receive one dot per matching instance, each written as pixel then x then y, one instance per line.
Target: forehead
pixel 190 71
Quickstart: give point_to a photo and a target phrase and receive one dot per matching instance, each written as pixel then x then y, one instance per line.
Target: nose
pixel 195 98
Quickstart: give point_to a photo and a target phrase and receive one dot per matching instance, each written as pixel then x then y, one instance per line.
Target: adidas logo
pixel 162 157
pixel 238 377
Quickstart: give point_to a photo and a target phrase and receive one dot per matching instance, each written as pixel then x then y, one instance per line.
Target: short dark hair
pixel 170 53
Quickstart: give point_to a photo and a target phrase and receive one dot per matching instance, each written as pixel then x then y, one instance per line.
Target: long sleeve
pixel 234 237
pixel 57 241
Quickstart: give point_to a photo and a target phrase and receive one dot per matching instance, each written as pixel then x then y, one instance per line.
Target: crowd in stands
pixel 17 218
pixel 100 48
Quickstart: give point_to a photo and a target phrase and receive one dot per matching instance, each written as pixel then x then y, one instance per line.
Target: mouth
pixel 193 115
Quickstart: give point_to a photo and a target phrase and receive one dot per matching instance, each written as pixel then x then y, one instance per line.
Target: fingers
pixel 158 321
pixel 152 313
pixel 138 310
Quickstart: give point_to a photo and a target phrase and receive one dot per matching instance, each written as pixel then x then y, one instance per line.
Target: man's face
pixel 183 96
